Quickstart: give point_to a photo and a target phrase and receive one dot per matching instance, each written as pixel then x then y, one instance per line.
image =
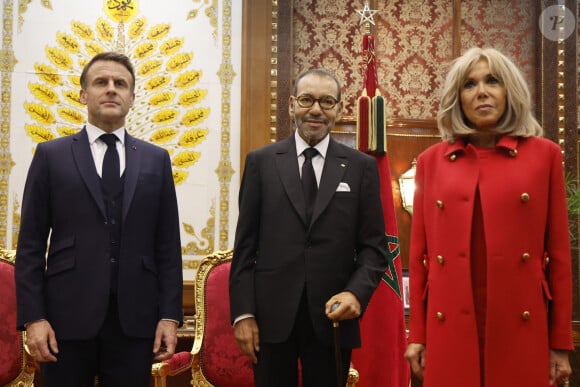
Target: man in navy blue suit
pixel 298 252
pixel 107 297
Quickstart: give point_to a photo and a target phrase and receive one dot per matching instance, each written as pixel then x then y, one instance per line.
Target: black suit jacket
pixel 277 254
pixel 63 200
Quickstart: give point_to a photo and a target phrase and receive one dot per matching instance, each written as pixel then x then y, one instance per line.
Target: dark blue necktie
pixel 110 175
pixel 309 185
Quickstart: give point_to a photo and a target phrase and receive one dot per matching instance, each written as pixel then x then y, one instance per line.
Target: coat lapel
pixel 287 165
pixel 132 166
pixel 335 165
pixel 83 157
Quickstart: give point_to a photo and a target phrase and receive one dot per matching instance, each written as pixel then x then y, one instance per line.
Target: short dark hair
pixel 109 56
pixel 320 73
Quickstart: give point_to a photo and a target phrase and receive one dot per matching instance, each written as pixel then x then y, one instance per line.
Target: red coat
pixel 525 218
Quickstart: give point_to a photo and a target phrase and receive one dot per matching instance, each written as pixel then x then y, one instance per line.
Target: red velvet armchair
pixel 17 367
pixel 215 358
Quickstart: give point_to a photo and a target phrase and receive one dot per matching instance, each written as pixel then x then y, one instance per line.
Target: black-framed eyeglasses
pixel 306 101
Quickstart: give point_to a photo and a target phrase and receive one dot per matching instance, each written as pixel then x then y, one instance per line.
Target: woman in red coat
pixel 490 267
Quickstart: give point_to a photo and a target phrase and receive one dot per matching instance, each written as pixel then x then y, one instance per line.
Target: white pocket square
pixel 343 187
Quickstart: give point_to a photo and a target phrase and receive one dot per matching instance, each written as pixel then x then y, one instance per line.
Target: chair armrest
pixel 31 366
pixel 179 363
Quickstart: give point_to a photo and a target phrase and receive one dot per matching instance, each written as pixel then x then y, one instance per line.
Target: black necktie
pixel 309 185
pixel 111 171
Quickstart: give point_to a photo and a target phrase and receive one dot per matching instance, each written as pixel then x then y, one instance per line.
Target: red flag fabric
pixel 380 360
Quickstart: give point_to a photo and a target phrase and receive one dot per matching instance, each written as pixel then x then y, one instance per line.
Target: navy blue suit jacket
pixel 69 286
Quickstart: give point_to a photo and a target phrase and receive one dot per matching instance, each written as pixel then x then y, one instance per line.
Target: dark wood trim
pixel 547 82
pixel 189 297
pixel 456 28
pixel 571 97
pixel 576 333
pixel 255 76
pixel 285 67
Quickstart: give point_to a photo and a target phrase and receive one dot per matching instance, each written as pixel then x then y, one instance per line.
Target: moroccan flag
pixel 380 360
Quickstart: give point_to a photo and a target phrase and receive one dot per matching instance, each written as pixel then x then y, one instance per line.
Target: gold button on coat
pixel 425 262
pixel 525 256
pixel 513 152
pixel 526 315
pixel 453 157
pixel 547 260
pixel 439 204
pixel 440 259
pixel 440 316
pixel 525 197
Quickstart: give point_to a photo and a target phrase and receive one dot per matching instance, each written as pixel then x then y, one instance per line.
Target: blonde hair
pixel 517 120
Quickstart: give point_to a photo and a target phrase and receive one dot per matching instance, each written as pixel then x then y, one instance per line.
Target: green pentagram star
pixel 390 276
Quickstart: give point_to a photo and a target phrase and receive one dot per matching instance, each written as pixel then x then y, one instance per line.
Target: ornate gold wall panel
pixel 186 97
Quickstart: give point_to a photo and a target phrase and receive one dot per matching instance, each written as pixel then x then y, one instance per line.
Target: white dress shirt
pixel 318 160
pixel 99 147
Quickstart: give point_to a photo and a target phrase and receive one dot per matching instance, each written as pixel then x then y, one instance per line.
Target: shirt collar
pixel 94 133
pixel 321 147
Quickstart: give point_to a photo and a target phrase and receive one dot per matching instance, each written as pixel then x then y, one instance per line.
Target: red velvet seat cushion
pixel 223 362
pixel 10 338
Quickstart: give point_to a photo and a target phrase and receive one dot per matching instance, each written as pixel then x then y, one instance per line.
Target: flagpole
pixel 380 360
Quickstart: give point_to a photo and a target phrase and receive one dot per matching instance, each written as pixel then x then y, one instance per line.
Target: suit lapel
pixel 335 165
pixel 132 166
pixel 287 164
pixel 83 157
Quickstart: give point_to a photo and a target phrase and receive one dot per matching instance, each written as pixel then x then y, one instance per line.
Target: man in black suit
pixel 295 257
pixel 107 298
